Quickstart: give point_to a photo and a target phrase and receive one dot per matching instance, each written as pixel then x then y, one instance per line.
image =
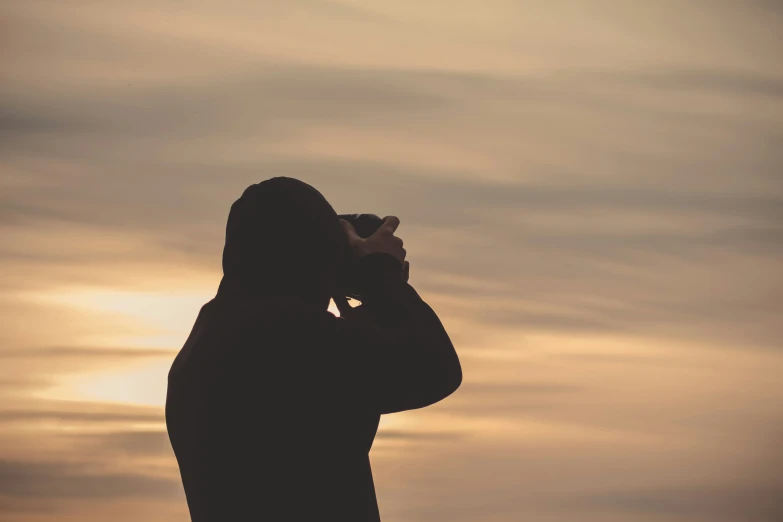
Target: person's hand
pixel 383 240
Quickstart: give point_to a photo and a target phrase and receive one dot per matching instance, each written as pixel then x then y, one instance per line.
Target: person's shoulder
pixel 290 319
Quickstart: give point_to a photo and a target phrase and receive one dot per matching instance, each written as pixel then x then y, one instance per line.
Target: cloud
pixel 130 443
pixel 590 202
pixel 77 413
pixel 648 253
pixel 68 352
pixel 702 81
pixel 416 436
pixel 17 415
pixel 34 369
pixel 757 503
pixel 47 480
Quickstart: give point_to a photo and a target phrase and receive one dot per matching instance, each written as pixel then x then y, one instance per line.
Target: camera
pixel 365 226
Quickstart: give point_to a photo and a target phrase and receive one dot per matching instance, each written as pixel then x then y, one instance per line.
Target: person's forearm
pixel 390 300
pixel 393 303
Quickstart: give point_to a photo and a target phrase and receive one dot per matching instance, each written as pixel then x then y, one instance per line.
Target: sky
pixel 590 196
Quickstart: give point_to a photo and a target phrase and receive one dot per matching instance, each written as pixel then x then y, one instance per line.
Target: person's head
pixel 283 239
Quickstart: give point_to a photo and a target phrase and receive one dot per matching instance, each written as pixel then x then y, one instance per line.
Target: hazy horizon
pixel 590 196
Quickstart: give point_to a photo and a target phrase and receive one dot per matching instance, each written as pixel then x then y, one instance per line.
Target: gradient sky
pixel 590 196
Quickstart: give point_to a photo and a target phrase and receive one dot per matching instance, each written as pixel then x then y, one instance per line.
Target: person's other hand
pixel 383 240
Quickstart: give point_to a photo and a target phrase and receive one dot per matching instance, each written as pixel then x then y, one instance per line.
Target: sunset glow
pixel 589 194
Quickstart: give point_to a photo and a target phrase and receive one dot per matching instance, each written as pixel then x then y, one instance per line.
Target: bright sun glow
pixel 142 385
pixel 160 320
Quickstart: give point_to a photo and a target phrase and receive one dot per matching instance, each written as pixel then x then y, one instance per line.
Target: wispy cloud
pixel 590 198
pixel 57 479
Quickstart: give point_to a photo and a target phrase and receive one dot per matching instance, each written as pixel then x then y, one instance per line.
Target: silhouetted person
pixel 273 402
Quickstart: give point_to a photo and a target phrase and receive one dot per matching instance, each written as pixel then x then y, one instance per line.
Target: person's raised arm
pixel 403 353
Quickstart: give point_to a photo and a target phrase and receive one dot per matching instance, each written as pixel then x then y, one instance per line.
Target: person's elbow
pixel 452 379
pixel 425 388
pixel 443 381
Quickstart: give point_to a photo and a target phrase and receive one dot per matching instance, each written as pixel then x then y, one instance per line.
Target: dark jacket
pixel 273 402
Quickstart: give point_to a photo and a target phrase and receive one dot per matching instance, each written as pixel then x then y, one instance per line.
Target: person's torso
pixel 261 423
